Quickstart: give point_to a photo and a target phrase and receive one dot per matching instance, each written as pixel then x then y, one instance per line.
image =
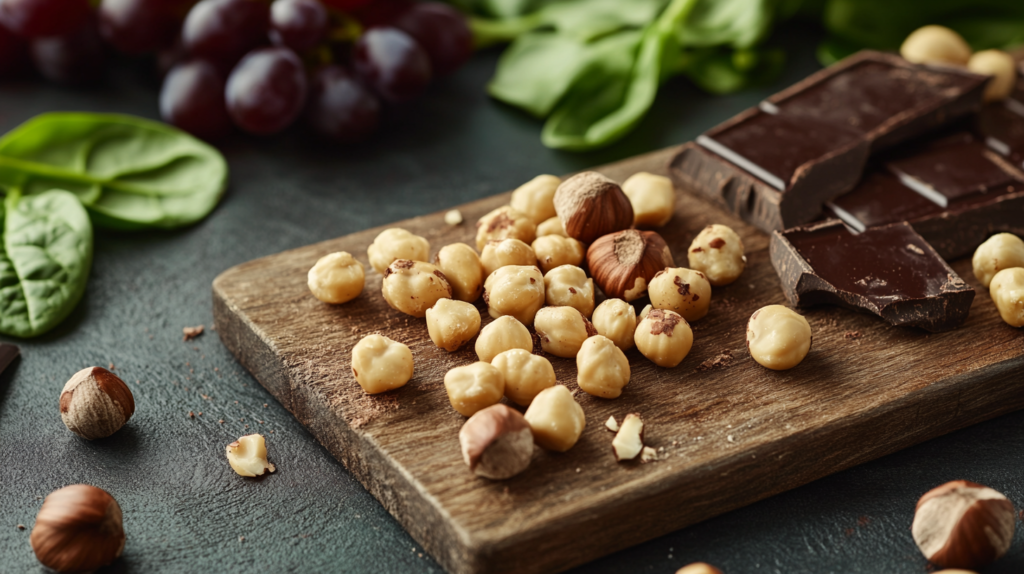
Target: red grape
pixel 72 59
pixel 266 90
pixel 298 24
pixel 140 26
pixel 192 98
pixel 340 107
pixel 392 63
pixel 34 18
pixel 13 52
pixel 346 5
pixel 442 31
pixel 222 31
pixel 379 13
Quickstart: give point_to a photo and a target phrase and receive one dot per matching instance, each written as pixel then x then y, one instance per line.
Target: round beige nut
pixel 412 287
pixel 516 290
pixel 396 243
pixel 616 319
pixel 503 252
pixel 381 364
pixel 562 330
pixel 653 199
pixel 663 336
pixel 474 387
pixel 1007 291
pixel 502 223
pixel 778 337
pixel 935 45
pixel 1001 67
pixel 1001 251
pixel 556 419
pixel 554 251
pixel 700 568
pixel 682 290
pixel 569 286
pixel 461 266
pixel 536 198
pixel 525 374
pixel 602 368
pixel 503 334
pixel 718 253
pixel 552 226
pixel 451 324
pixel 336 278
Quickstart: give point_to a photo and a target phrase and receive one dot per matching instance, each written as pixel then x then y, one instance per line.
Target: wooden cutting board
pixel 728 431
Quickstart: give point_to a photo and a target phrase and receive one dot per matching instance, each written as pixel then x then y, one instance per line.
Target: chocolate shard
pixel 889 271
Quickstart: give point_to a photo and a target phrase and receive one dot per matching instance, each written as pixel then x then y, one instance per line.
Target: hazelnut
pixel 663 336
pixel 554 251
pixel 682 290
pixel 396 243
pixel 474 387
pixel 935 45
pixel 700 568
pixel 963 525
pixel 95 403
pixel 718 253
pixel 412 287
pixel 602 368
pixel 569 286
pixel 552 226
pixel 502 223
pixel 453 217
pixel 648 454
pixel 616 319
pixel 380 364
pixel 611 424
pixel 1001 251
pixel 1007 291
pixel 461 266
pixel 525 375
pixel 591 205
pixel 562 330
pixel 497 443
pixel 78 529
pixel 248 456
pixel 451 324
pixel 556 419
pixel 629 439
pixel 503 334
pixel 503 252
pixel 624 263
pixel 1001 67
pixel 336 278
pixel 536 198
pixel 516 290
pixel 653 198
pixel 778 337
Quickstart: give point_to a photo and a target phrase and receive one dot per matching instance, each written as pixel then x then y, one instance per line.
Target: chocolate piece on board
pixel 1002 124
pixel 889 271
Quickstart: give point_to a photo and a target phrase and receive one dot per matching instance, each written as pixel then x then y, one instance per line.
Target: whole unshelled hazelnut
pixel 497 442
pixel 962 524
pixel 624 263
pixel 502 223
pixel 95 403
pixel 698 568
pixel 78 529
pixel 591 205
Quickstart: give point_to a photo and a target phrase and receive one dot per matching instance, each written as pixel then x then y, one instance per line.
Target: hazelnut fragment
pixel 1007 291
pixel 516 290
pixel 502 252
pixel 963 525
pixel 1001 251
pixel 502 223
pixel 648 454
pixel 525 375
pixel 603 369
pixel 562 330
pixel 95 403
pixel 663 336
pixel 616 319
pixel 591 205
pixel 336 278
pixel 461 266
pixel 569 286
pixel 718 253
pixel 248 456
pixel 653 198
pixel 556 419
pixel 412 287
pixel 554 251
pixel 624 263
pixel 778 337
pixel 453 217
pixel 497 442
pixel 396 243
pixel 451 324
pixel 935 45
pixel 1001 67
pixel 536 198
pixel 380 364
pixel 682 290
pixel 552 226
pixel 611 424
pixel 698 568
pixel 629 440
pixel 78 529
pixel 474 387
pixel 503 334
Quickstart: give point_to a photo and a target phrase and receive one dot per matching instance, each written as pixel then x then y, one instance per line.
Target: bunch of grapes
pixel 253 64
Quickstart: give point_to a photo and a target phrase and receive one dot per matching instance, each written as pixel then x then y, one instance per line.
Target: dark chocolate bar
pixel 889 271
pixel 1002 124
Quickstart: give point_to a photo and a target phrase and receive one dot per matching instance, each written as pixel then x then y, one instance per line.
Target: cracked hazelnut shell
pixel 623 263
pixel 591 205
pixel 962 524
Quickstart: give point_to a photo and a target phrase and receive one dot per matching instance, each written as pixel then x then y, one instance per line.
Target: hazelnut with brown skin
pixel 624 263
pixel 502 223
pixel 497 442
pixel 591 205
pixel 962 524
pixel 78 529
pixel 698 568
pixel 95 403
pixel 412 287
pixel 685 291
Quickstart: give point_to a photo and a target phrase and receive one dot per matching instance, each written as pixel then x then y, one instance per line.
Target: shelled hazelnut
pixel 525 375
pixel 248 456
pixel 1001 251
pixel 718 253
pixel 1007 291
pixel 502 223
pixel 502 334
pixel 1001 67
pixel 79 528
pixel 336 278
pixel 474 387
pixel 569 286
pixel 396 243
pixel 629 438
pixel 554 251
pixel 624 263
pixel 778 337
pixel 536 198
pixel 562 330
pixel 663 336
pixel 602 368
pixel 516 290
pixel 682 290
pixel 591 205
pixel 412 287
pixel 653 198
pixel 461 266
pixel 497 442
pixel 381 364
pixel 451 324
pixel 700 568
pixel 95 403
pixel 556 419
pixel 935 45
pixel 551 226
pixel 503 252
pixel 616 319
pixel 962 524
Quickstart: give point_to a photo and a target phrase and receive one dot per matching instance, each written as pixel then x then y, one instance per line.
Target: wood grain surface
pixel 728 431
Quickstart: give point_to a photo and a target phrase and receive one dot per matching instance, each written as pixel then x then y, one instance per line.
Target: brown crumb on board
pixel 852 335
pixel 189 333
pixel 373 406
pixel 723 359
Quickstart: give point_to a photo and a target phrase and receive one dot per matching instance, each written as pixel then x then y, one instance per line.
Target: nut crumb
pixel 453 217
pixel 21 527
pixel 915 249
pixel 852 335
pixel 221 421
pixel 578 470
pixel 110 367
pixel 189 333
pixel 730 438
pixel 241 538
pixel 723 359
pixel 648 454
pixel 191 415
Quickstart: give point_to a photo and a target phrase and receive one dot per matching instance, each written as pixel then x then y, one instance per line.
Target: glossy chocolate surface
pixel 951 168
pixel 881 198
pixel 1002 124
